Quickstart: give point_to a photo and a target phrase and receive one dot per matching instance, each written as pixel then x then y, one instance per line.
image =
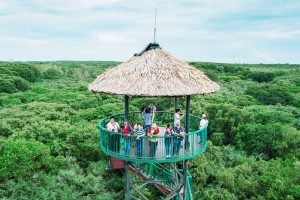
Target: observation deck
pixel 191 145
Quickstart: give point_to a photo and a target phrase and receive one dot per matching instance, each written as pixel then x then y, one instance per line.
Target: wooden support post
pixel 126 105
pixel 175 104
pixel 187 120
pixel 185 170
pixel 127 182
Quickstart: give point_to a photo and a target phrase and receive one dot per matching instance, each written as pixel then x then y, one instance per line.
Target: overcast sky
pixel 241 31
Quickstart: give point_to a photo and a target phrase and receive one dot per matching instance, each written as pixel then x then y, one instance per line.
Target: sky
pixel 227 31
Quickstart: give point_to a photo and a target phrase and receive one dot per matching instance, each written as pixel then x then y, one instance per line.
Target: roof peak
pixel 150 46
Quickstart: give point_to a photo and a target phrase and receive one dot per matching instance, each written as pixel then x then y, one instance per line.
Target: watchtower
pixel 154 73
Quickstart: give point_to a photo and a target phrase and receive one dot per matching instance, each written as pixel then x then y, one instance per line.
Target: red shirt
pixel 126 131
pixel 156 130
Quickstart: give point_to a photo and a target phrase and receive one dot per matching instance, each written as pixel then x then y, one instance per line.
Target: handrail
pixel 158 149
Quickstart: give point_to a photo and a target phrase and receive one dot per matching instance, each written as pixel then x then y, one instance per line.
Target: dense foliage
pixel 49 136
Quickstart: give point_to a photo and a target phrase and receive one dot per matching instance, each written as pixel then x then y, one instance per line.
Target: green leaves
pixel 20 158
pixel 49 140
pixel 272 140
pixel 51 74
pixel 223 172
pixel 270 94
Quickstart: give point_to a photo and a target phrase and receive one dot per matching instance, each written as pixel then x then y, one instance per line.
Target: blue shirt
pixel 147 119
pixel 178 139
pixel 167 139
pixel 139 132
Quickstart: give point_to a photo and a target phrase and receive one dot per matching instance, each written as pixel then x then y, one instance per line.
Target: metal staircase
pixel 167 179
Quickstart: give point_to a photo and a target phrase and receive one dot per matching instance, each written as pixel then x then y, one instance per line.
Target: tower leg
pixel 127 191
pixel 185 167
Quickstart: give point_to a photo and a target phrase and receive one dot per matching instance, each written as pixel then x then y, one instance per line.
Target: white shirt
pixel 113 126
pixel 153 108
pixel 203 122
pixel 176 118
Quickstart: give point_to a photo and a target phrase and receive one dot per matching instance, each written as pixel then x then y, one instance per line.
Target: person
pixel 177 117
pixel 143 108
pixel 153 141
pixel 114 139
pixel 147 120
pixel 152 111
pixel 178 132
pixel 168 140
pixel 127 139
pixel 203 123
pixel 139 131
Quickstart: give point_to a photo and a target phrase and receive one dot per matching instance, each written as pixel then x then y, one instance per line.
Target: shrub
pixel 272 140
pixel 11 84
pixel 261 77
pixel 218 138
pixel 24 70
pixel 20 158
pixel 51 74
pixel 211 74
pixel 70 183
pixel 7 86
pixel 4 70
pixel 270 94
pixel 21 84
pixel 227 119
pixel 5 129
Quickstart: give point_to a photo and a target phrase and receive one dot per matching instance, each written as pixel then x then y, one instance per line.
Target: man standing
pixel 178 132
pixel 152 111
pixel 113 138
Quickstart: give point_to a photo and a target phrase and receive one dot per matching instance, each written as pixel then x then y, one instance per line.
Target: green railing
pixel 166 149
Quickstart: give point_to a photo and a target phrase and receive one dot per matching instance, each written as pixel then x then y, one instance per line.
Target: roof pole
pixel 127 192
pixel 187 145
pixel 126 105
pixel 154 40
pixel 187 119
pixel 175 104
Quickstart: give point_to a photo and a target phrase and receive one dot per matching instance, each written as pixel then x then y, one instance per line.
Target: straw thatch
pixel 154 72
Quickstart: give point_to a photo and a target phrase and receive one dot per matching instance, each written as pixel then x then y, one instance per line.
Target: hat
pixel 154 125
pixel 204 115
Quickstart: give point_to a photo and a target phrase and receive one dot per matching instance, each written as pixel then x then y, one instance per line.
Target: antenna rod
pixel 155 26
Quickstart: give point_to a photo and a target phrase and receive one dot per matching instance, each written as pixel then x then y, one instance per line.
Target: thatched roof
pixel 153 72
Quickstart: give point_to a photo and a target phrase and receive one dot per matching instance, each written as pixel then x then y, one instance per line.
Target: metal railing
pixel 158 149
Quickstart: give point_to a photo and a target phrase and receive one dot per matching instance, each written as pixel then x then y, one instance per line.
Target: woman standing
pixel 127 140
pixel 177 116
pixel 203 123
pixel 147 120
pixel 154 131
